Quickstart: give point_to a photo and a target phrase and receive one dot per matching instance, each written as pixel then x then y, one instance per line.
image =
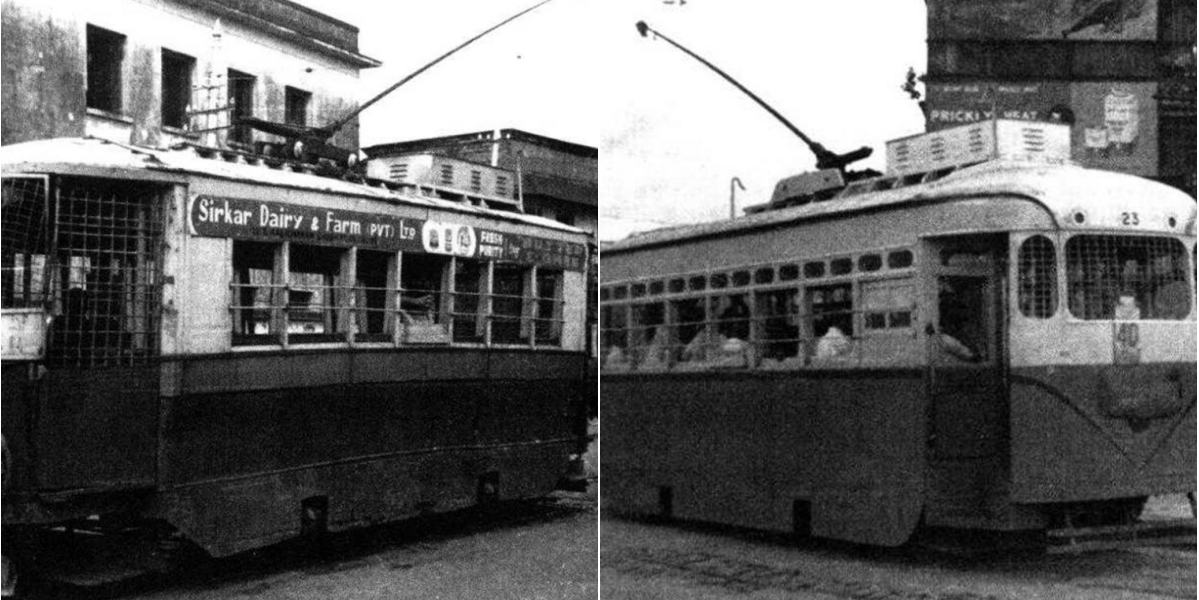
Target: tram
pixel 986 338
pixel 235 351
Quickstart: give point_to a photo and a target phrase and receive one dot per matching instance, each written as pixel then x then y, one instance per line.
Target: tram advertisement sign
pixel 953 104
pixel 242 218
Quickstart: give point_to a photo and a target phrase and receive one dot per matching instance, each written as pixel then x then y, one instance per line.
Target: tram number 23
pixel 1130 218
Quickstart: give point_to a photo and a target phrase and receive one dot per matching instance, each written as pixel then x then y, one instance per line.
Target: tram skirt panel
pixel 1092 433
pixel 837 455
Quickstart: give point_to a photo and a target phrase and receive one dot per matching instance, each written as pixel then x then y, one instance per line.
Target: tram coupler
pixel 1070 540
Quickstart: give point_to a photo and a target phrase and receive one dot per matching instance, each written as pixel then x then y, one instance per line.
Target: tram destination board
pixel 243 218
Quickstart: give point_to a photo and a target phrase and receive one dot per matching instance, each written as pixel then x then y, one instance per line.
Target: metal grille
pixel 24 239
pixel 1037 294
pixel 108 237
pixel 1127 278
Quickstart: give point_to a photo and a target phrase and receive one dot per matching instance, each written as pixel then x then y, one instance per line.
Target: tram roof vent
pixel 979 142
pixel 448 178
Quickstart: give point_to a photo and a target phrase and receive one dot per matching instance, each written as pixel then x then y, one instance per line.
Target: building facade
pixel 171 71
pixel 553 178
pixel 1121 72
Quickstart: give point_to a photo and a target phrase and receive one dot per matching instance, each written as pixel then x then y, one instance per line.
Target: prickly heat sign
pixel 241 218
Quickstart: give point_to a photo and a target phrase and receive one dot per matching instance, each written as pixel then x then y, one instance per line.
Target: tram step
pixel 1107 537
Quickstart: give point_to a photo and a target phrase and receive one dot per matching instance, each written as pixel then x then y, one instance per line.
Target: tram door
pixel 90 254
pixel 963 283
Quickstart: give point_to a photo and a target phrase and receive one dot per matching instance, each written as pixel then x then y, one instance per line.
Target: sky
pixel 671 133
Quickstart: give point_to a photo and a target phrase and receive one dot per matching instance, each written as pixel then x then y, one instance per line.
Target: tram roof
pixel 1059 189
pixel 102 158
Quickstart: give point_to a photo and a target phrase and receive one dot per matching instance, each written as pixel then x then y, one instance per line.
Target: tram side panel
pixel 834 454
pixel 249 436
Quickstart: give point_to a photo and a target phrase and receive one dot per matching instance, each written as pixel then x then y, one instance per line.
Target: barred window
pixel 547 325
pixel 1037 294
pixel 315 294
pixel 255 316
pixel 374 296
pixel 1127 278
pixel 470 283
pixel 508 304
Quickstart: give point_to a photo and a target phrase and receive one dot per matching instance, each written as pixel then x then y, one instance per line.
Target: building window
pixel 296 106
pixel 176 88
pixel 241 103
pixel 1037 295
pixel 105 54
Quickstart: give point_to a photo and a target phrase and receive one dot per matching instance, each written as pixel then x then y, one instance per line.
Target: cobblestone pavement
pixel 651 561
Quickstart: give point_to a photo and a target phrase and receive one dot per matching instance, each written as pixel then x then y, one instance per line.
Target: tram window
pixel 720 281
pixel 741 279
pixel 639 290
pixel 697 283
pixel 887 304
pixel 255 312
pixel 620 292
pixel 841 266
pixel 961 317
pixel 830 322
pixel 656 287
pixel 870 262
pixel 470 284
pixel 508 304
pixel 813 270
pixel 648 345
pixel 614 336
pixel 25 242
pixel 1037 294
pixel 764 275
pixel 777 320
pixel 732 316
pixel 374 320
pixel 549 318
pixel 314 294
pixel 677 286
pixel 788 272
pixel 421 286
pixel 1127 278
pixel 689 338
pixel 899 259
pixel 605 294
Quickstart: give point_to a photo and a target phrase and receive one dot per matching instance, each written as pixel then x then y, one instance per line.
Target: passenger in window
pixel 959 332
pixel 834 344
pixel 1171 300
pixel 734 319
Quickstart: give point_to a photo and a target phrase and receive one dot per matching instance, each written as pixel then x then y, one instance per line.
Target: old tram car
pixel 986 338
pixel 240 353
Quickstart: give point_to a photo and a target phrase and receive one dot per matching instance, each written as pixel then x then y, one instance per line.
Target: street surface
pixel 644 560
